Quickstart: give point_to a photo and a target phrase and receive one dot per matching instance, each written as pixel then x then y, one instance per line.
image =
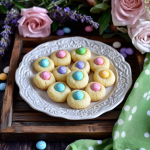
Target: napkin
pixel 132 129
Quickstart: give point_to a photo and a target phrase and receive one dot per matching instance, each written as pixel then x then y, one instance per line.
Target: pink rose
pixel 140 35
pixel 34 22
pixel 127 12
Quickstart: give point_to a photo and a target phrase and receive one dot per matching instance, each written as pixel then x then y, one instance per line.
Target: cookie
pixel 99 62
pixel 61 58
pixel 77 79
pixel 60 73
pixel 58 92
pixel 96 91
pixel 78 99
pixel 43 64
pixel 104 76
pixel 81 65
pixel 43 79
pixel 81 53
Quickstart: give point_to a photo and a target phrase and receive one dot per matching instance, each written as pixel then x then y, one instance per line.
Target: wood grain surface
pixel 25 123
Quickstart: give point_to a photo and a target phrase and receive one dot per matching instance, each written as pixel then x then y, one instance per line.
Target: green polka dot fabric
pixel 132 130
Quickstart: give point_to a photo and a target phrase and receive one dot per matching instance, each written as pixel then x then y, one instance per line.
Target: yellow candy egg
pixel 3 76
pixel 104 74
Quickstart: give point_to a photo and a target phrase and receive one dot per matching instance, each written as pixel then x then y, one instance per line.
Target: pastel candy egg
pixel 60 87
pixel 130 51
pixel 116 44
pixel 80 64
pixel 95 87
pixel 88 29
pixel 99 61
pixel 78 95
pixel 104 74
pixel 60 32
pixel 6 69
pixel 78 75
pixel 81 50
pixel 124 55
pixel 3 76
pixel 66 30
pixel 45 75
pixel 61 54
pixel 41 145
pixel 2 86
pixel 123 50
pixel 44 63
pixel 62 70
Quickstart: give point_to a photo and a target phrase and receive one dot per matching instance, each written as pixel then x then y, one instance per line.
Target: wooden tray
pixel 20 122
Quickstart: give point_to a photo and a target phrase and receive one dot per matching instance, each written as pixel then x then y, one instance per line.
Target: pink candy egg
pixel 99 61
pixel 45 75
pixel 61 54
pixel 88 29
pixel 95 87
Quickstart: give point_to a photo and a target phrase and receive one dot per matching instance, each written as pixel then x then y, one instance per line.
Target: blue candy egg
pixel 44 63
pixel 60 87
pixel 41 145
pixel 78 95
pixel 78 75
pixel 2 86
pixel 66 30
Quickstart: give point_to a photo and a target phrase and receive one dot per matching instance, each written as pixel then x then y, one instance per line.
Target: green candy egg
pixel 81 50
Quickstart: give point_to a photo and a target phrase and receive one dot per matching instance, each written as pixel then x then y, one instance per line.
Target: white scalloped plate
pixel 39 99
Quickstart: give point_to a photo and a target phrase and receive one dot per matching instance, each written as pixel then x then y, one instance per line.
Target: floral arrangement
pixel 36 18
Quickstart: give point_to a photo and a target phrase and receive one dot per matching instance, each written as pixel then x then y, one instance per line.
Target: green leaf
pixel 104 21
pixel 125 36
pixel 3 9
pixel 106 36
pixel 20 6
pixel 54 26
pixel 83 5
pixel 99 8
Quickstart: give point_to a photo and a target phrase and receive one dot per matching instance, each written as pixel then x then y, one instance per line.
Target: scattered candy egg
pixel 78 75
pixel 2 86
pixel 80 65
pixel 44 63
pixel 61 54
pixel 88 28
pixel 104 74
pixel 60 87
pixel 66 30
pixel 124 55
pixel 41 145
pixel 108 29
pixel 81 51
pixel 123 50
pixel 78 95
pixel 6 69
pixel 95 87
pixel 116 44
pixel 45 75
pixel 60 32
pixel 129 51
pixel 99 61
pixel 3 76
pixel 62 70
pixel 113 28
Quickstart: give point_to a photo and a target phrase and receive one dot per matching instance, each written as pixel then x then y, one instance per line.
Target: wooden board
pixel 20 122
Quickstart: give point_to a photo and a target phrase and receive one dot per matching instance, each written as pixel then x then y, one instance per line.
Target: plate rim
pixel 78 117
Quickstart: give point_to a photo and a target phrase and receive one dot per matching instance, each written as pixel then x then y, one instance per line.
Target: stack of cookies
pixel 72 85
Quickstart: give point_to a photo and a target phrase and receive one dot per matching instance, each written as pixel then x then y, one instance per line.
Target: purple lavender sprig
pixel 7 4
pixel 9 23
pixel 63 14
